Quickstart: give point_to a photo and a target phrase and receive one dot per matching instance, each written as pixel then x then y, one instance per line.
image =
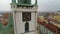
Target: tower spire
pixel 35 2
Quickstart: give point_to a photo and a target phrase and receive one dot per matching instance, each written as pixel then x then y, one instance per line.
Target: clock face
pixel 26 16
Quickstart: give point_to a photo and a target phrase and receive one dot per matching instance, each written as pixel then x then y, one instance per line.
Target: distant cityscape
pixel 48 21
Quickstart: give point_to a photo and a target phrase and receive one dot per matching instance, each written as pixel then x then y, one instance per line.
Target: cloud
pixel 49 5
pixel 4 5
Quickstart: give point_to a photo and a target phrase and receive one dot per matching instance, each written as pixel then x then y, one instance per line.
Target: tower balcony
pixel 24 7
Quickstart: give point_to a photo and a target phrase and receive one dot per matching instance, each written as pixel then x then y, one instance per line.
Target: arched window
pixel 26 27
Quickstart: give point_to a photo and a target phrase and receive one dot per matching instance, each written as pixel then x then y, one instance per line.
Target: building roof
pixel 49 26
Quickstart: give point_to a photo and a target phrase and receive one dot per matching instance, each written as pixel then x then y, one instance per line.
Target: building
pixel 24 16
pixel 49 25
pixel 4 18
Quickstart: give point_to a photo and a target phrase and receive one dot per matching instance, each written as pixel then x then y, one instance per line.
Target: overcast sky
pixel 44 5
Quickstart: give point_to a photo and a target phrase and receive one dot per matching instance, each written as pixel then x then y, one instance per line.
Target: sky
pixel 43 5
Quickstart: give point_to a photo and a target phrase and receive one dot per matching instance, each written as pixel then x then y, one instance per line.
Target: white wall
pixel 20 25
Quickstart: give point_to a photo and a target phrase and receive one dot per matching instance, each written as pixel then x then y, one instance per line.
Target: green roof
pixel 23 2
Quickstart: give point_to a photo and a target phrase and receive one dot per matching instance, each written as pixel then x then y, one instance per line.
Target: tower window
pixel 26 27
pixel 25 2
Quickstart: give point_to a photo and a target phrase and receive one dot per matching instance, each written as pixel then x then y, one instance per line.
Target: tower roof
pixel 23 2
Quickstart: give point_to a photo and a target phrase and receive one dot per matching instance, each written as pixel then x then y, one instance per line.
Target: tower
pixel 24 16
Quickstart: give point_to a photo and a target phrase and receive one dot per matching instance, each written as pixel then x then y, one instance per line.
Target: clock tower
pixel 24 16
